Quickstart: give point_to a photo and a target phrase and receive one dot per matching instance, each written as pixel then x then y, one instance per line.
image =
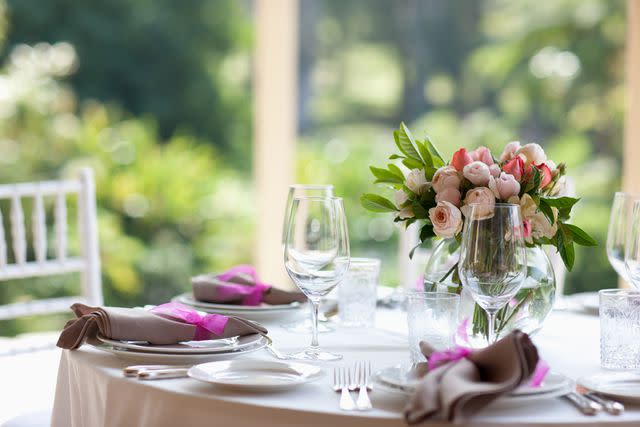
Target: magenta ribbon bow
pixel 252 295
pixel 205 324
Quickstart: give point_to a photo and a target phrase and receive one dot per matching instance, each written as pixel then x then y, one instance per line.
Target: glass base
pixel 315 353
pixel 306 327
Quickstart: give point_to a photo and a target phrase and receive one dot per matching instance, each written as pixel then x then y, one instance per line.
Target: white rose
pixel 540 225
pixel 446 220
pixel 450 194
pixel 417 182
pixel 477 172
pixel 445 177
pixel 406 213
pixel 509 151
pixel 533 153
pixel 400 197
pixel 481 196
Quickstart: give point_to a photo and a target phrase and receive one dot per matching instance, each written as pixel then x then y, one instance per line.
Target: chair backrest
pixel 87 264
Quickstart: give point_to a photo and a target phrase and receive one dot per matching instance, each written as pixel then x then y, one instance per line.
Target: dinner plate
pixel 622 385
pixel 223 345
pixel 397 379
pixel 146 358
pixel 257 376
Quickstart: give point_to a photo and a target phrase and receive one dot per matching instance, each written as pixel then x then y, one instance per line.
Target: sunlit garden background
pixel 156 97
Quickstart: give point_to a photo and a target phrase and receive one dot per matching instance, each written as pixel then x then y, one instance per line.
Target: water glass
pixel 620 223
pixel 431 317
pixel 357 293
pixel 619 329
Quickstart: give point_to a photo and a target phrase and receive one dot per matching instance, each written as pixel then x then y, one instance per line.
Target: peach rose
pixel 460 159
pixel 449 194
pixel 445 177
pixel 417 182
pixel 505 186
pixel 509 151
pixel 482 196
pixel 515 167
pixel 477 172
pixel 446 220
pixel 533 154
pixel 482 154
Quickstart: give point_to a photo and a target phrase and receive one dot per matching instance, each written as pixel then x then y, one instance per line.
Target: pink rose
pixel 495 170
pixel 477 172
pixel 504 186
pixel 446 220
pixel 460 159
pixel 485 199
pixel 445 177
pixel 533 154
pixel 449 194
pixel 482 154
pixel 515 167
pixel 547 175
pixel 509 151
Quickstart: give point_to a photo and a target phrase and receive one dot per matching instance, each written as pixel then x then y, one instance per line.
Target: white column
pixel 274 118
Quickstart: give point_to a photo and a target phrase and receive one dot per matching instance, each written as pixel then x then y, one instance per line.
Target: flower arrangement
pixel 439 193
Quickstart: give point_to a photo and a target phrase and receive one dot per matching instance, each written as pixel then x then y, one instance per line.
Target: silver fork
pixel 341 383
pixel 364 372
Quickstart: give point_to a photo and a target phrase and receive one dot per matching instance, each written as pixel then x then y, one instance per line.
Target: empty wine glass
pixel 493 261
pixel 619 223
pixel 632 249
pixel 316 256
pixel 305 190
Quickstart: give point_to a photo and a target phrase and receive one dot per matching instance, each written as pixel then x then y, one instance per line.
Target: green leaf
pixel 414 249
pixel 435 154
pixel 375 203
pixel 546 210
pixel 424 153
pixel 534 181
pixel 412 163
pixel 384 175
pixel 418 211
pixel 405 142
pixel 396 156
pixel 560 202
pixel 426 232
pixel 579 236
pixel 396 171
pixel 565 247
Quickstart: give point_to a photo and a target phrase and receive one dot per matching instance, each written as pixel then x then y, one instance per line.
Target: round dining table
pixel 92 391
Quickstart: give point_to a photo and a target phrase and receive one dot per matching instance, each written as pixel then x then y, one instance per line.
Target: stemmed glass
pixel 493 260
pixel 304 190
pixel 632 249
pixel 316 256
pixel 619 228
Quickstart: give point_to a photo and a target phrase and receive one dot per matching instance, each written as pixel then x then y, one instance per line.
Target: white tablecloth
pixel 91 390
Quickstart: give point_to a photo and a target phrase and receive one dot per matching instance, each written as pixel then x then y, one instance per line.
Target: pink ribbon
pixel 205 325
pixel 252 295
pixel 439 358
pixel 541 371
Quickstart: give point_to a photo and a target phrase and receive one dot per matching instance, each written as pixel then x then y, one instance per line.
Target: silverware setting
pixel 356 378
pixel 156 372
pixel 591 403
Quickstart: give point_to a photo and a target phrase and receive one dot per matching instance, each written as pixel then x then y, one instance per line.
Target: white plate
pixel 252 375
pixel 176 359
pixel 262 313
pixel 623 385
pixel 223 345
pixel 397 379
pixel 190 300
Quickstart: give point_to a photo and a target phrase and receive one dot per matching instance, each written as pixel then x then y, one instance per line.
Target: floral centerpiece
pixel 437 194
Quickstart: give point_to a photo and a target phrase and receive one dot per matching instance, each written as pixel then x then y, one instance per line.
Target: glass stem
pixel 315 306
pixel 491 318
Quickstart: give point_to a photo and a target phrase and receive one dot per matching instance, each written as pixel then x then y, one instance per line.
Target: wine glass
pixel 619 223
pixel 632 249
pixel 304 190
pixel 316 256
pixel 493 260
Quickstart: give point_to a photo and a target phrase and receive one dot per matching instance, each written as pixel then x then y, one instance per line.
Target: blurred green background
pixel 156 97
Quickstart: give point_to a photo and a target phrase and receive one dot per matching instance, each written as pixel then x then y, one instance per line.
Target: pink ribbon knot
pixel 252 295
pixel 205 324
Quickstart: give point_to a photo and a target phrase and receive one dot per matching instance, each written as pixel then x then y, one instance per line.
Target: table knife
pixel 163 374
pixel 584 405
pixel 612 407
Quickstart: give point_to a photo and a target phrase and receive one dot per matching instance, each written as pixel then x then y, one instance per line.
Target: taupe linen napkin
pixel 457 390
pixel 209 288
pixel 140 325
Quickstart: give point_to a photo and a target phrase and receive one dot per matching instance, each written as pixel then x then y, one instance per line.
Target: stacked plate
pixel 187 353
pixel 259 313
pixel 398 379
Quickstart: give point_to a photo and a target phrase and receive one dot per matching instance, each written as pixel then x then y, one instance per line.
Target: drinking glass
pixel 632 248
pixel 619 223
pixel 304 190
pixel 493 260
pixel 357 294
pixel 316 256
pixel 619 329
pixel 431 317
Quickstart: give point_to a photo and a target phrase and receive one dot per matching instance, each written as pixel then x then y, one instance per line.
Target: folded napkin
pixel 240 285
pixel 466 381
pixel 165 324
